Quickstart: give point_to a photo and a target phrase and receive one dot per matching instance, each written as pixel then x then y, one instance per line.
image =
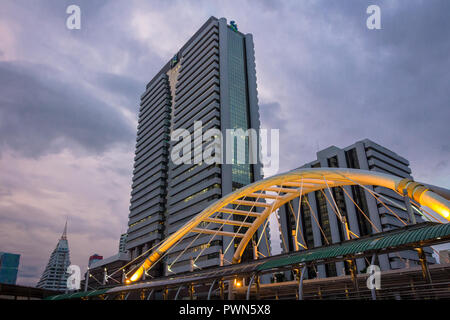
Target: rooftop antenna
pixel 64 235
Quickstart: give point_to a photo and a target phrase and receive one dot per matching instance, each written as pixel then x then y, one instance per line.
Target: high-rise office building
pixel 122 242
pixel 9 265
pixel 94 258
pixel 211 79
pixel 366 155
pixel 55 274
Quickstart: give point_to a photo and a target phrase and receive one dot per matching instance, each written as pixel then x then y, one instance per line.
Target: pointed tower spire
pixel 64 235
pixel 55 275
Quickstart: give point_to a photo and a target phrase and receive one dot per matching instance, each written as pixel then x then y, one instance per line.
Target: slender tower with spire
pixel 55 275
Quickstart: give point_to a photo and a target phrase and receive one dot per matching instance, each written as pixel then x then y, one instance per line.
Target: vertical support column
pixel 150 294
pixel 353 273
pixel 296 273
pixel 211 289
pixel 295 240
pixel 105 274
pixel 165 293
pixel 300 282
pixel 373 290
pixel 221 258
pixel 255 250
pixel 249 288
pixel 423 263
pixel 257 286
pixel 222 290
pixel 178 292
pixel 230 290
pixel 191 263
pixel 254 279
pixel 191 291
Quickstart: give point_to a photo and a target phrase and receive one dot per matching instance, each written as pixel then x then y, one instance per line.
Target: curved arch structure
pixel 279 190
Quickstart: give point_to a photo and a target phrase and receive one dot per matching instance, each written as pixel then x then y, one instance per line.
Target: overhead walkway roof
pixel 393 239
pixel 78 295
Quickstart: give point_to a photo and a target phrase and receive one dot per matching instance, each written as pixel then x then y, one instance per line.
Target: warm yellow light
pixel 237 283
pixel 445 214
pixel 127 281
pixel 137 275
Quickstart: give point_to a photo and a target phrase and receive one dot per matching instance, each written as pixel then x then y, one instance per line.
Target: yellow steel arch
pixel 282 188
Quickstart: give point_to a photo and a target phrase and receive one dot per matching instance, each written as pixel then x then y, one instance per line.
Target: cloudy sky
pixel 69 99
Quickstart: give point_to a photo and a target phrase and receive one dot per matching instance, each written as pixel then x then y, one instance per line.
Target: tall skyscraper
pixel 122 242
pixel 9 265
pixel 211 79
pixel 366 155
pixel 55 274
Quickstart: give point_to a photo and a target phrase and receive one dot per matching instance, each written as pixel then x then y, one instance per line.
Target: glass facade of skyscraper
pixel 239 116
pixel 9 265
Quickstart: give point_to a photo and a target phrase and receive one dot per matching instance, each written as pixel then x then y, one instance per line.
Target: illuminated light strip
pixel 217 232
pixel 240 212
pixel 261 195
pixel 228 222
pixel 251 203
pixel 281 190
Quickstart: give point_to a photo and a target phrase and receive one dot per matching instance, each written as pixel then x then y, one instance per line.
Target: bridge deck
pixel 407 238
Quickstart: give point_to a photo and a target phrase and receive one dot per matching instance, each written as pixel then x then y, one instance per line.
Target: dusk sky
pixel 69 100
